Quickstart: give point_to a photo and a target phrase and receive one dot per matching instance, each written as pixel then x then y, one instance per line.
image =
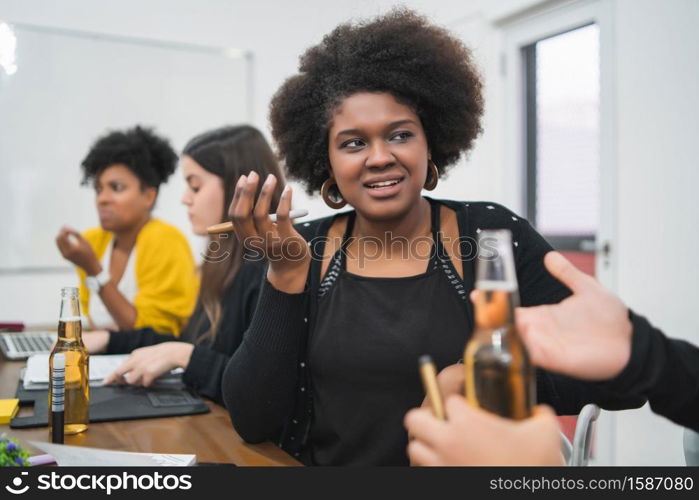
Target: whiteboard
pixel 69 89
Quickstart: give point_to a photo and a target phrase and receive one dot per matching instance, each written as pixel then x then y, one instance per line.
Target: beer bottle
pixel 499 375
pixel 70 343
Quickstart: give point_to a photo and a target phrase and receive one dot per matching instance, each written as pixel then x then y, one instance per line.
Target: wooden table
pixel 210 436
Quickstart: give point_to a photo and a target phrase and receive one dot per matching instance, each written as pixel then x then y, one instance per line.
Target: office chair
pixel 579 451
pixel 691 447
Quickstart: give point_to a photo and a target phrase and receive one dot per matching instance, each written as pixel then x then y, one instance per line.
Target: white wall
pixel 657 70
pixel 656 54
pixel 658 241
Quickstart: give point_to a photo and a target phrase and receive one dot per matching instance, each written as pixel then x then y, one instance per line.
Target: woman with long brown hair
pixel 211 164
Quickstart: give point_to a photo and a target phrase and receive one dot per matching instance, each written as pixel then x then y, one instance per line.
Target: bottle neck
pixel 69 322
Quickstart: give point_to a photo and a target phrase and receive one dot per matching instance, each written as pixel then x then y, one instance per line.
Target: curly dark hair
pixel 402 53
pixel 146 154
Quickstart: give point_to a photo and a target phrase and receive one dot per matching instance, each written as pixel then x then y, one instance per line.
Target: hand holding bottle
pixel 472 436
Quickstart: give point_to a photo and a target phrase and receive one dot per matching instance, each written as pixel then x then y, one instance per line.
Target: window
pixel 562 74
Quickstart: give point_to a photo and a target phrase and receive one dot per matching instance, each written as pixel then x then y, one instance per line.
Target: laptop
pixel 17 346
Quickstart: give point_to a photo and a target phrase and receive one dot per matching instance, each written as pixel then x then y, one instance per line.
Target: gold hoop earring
pixel 331 194
pixel 432 176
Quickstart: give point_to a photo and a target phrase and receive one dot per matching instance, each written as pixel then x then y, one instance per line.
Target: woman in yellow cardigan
pixel 135 271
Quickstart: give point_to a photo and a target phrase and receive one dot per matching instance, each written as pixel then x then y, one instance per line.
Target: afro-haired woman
pixel 135 271
pixel 328 366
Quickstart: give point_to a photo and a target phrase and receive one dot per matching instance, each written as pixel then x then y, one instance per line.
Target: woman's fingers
pixel 280 242
pixel 242 211
pixel 114 379
pixel 75 234
pixel 537 327
pixel 130 371
pixel 117 376
pixel 296 249
pixel 421 454
pixel 149 377
pixel 284 225
pixel 68 237
pixel 422 425
pixel 236 195
pixel 62 240
pixel 134 377
pixel 543 411
pixel 451 380
pixel 564 271
pixel 62 244
pixel 265 227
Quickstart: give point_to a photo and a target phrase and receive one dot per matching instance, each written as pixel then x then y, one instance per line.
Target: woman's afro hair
pixel 420 64
pixel 147 155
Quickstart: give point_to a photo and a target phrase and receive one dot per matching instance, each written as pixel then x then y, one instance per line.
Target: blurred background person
pixel 211 164
pixel 135 270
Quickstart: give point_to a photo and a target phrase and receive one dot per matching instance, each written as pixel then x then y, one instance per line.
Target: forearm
pixel 204 372
pixel 664 370
pixel 122 311
pixel 569 395
pixel 259 382
pixel 122 342
pixel 291 281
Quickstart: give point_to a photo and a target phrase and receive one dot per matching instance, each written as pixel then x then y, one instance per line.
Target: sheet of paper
pixel 36 374
pixel 80 456
pixel 101 365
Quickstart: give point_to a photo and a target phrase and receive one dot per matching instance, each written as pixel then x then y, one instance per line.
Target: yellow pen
pixel 428 373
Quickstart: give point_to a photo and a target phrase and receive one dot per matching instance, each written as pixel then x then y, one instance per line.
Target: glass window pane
pixel 567 149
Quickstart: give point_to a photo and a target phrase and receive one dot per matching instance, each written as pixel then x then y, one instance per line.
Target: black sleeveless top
pixel 364 350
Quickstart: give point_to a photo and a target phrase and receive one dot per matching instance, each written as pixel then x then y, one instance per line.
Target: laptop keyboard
pixel 25 344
